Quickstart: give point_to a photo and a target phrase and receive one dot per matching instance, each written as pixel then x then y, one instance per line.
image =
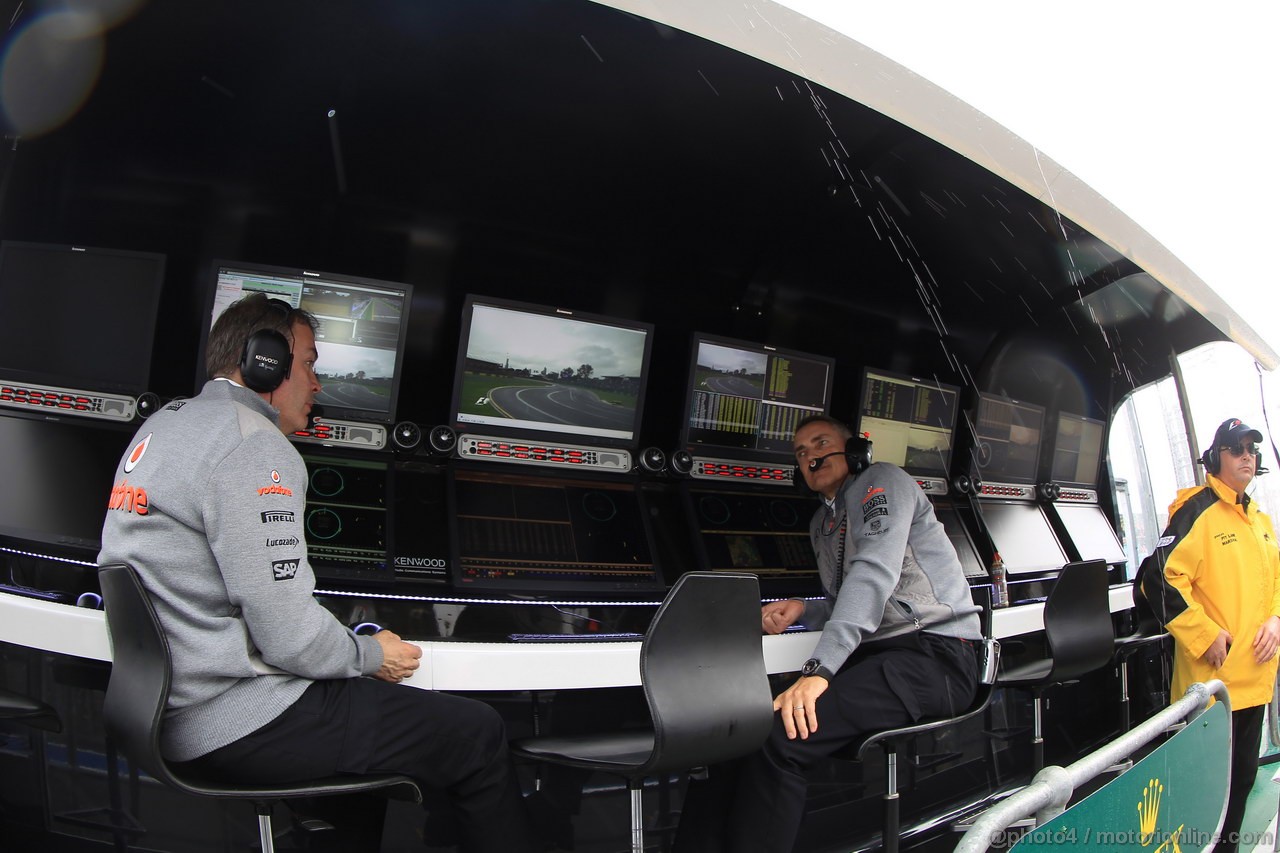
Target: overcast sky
pixel 1168 109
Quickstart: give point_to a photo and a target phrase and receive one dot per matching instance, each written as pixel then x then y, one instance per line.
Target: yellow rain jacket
pixel 1221 571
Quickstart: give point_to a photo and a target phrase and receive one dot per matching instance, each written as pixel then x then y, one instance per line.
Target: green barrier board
pixel 1170 801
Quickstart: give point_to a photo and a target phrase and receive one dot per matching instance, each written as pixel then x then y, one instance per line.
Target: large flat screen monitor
pixel 538 372
pixel 766 534
pixel 911 421
pixel 58 479
pixel 1077 451
pixel 1022 535
pixel 1007 436
pixel 960 539
pixel 78 318
pixel 519 533
pixel 743 400
pixel 363 324
pixel 1090 532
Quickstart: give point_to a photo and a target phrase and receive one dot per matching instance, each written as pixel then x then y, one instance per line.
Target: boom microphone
pixel 815 464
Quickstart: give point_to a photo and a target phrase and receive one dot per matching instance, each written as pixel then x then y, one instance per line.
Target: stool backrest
pixel 140 670
pixel 702 668
pixel 1077 620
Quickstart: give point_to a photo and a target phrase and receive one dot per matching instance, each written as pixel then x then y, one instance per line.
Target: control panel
pixel 343 434
pixel 89 404
pixel 932 485
pixel 549 455
pixel 1007 490
pixel 1078 496
pixel 735 469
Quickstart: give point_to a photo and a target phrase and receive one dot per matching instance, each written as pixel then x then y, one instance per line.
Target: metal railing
pixel 1050 791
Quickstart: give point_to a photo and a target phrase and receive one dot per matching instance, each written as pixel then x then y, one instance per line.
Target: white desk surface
pixel 453 665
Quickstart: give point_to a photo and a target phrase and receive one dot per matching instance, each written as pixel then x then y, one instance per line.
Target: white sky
pixel 1168 109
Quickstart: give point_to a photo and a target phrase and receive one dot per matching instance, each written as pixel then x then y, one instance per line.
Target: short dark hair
pixel 837 425
pixel 241 319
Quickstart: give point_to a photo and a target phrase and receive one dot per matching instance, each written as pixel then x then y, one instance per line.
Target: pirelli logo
pixel 284 570
pixel 280 516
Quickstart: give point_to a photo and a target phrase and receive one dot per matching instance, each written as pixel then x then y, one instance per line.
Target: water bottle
pixel 999 583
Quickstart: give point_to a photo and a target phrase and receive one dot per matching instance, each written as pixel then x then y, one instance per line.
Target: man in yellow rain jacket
pixel 1219 596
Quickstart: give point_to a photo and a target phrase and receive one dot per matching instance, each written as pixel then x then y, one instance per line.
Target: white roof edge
pixel 783 37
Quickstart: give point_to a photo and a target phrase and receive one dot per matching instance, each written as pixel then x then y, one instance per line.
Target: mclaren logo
pixel 135 456
pixel 284 570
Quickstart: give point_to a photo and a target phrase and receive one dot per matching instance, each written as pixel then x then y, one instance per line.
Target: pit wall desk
pixel 469 666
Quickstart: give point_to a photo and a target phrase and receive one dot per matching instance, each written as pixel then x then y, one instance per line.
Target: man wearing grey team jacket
pixel 268 686
pixel 900 641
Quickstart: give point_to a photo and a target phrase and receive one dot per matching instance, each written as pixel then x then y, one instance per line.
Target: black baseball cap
pixel 1233 433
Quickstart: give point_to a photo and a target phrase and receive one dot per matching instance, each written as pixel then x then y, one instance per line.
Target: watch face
pixel 810 667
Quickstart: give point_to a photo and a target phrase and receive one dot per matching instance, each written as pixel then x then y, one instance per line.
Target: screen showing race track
pixel 534 371
pixel 744 400
pixel 360 333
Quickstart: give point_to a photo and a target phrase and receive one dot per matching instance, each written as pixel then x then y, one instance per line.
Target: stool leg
pixel 265 837
pixel 636 788
pixel 1037 736
pixel 891 799
pixel 1124 696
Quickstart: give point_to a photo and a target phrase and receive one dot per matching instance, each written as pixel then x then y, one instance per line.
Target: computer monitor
pixel 753 531
pixel 911 421
pixel 743 400
pixel 1022 535
pixel 542 373
pixel 1090 532
pixel 1077 451
pixel 58 479
pixel 519 533
pixel 363 326
pixel 1007 437
pixel 77 317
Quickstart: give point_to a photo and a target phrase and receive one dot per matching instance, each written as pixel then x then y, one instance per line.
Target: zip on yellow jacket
pixel 1221 571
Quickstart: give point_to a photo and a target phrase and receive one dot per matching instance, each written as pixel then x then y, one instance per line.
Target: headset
pixel 267 356
pixel 857 454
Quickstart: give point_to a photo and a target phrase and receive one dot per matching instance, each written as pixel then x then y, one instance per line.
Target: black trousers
pixel 755 805
pixel 1246 736
pixel 448 744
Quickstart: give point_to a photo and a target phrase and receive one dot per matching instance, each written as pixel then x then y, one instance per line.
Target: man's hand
pixel 778 616
pixel 798 706
pixel 1216 654
pixel 399 659
pixel 1267 640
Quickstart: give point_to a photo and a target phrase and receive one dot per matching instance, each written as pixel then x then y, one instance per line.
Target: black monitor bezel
pixel 523 586
pixel 1004 477
pixel 303 275
pixel 717 451
pixel 145 314
pixel 533 433
pixel 922 382
pixel 1052 451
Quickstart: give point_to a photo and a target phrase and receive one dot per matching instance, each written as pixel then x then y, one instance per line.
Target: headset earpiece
pixel 267 356
pixel 265 361
pixel 857 451
pixel 1211 459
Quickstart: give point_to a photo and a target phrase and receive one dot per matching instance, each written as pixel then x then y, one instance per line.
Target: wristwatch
pixel 810 667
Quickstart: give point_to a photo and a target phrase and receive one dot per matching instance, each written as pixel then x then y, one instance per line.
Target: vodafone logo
pixel 275 475
pixel 135 455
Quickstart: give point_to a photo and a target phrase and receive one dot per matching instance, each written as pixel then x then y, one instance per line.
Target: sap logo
pixel 126 498
pixel 278 516
pixel 420 563
pixel 135 456
pixel 284 570
pixel 288 541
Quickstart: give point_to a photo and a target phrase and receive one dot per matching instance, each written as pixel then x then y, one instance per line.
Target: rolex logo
pixel 1149 810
